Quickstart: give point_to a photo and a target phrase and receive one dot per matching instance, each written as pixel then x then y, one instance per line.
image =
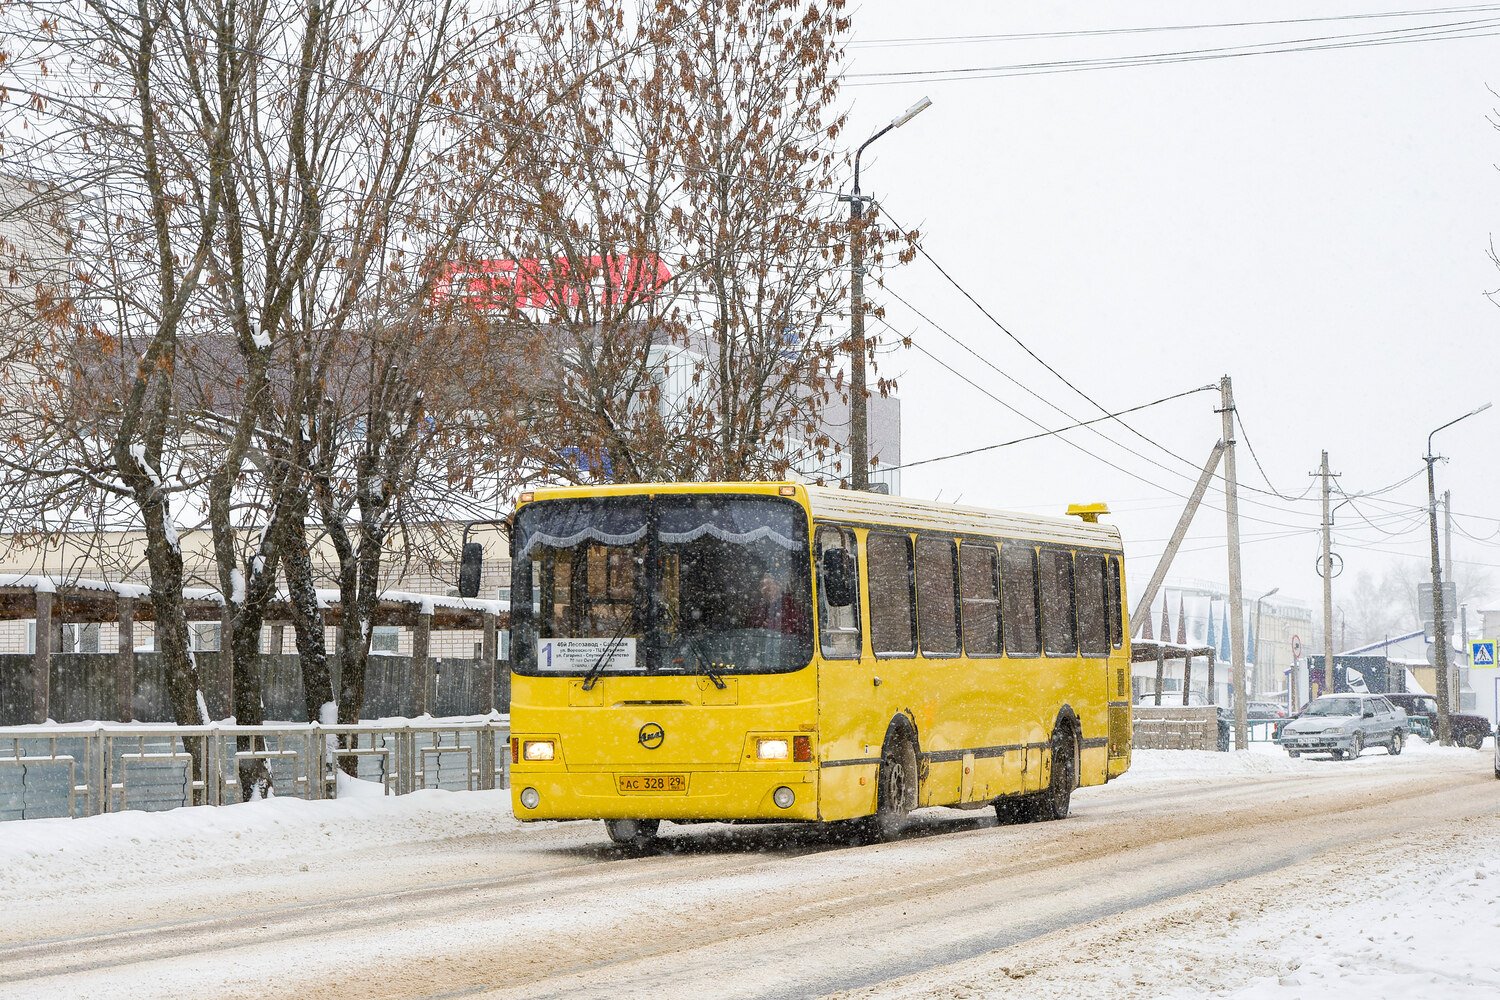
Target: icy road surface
pixel 1196 875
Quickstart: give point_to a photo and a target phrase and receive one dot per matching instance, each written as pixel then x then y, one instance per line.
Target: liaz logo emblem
pixel 651 736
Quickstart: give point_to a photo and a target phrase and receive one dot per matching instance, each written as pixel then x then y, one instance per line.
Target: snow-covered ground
pixel 1418 918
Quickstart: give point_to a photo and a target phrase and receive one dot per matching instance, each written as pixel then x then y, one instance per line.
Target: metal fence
pixel 86 770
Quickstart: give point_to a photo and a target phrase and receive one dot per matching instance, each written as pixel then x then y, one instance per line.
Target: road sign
pixel 1482 654
pixel 1296 647
pixel 1424 601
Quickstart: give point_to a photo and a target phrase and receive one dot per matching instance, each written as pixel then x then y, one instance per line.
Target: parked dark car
pixel 1421 709
pixel 1261 710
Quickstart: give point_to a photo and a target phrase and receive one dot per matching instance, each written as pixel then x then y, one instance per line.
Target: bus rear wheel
pixel 635 834
pixel 1057 800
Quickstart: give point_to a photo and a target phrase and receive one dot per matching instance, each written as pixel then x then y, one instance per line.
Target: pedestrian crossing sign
pixel 1482 654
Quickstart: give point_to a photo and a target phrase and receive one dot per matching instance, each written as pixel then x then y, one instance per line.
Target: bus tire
pixel 1056 801
pixel 896 790
pixel 634 834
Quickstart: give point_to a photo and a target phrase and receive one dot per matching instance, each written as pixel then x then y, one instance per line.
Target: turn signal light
pixel 802 749
pixel 515 750
pixel 771 749
pixel 537 750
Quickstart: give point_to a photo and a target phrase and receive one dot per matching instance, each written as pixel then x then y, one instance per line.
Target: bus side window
pixel 1018 600
pixel 937 597
pixel 1115 600
pixel 980 587
pixel 1093 608
pixel 892 621
pixel 838 593
pixel 1058 635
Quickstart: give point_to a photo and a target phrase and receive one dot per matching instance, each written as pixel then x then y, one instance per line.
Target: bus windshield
pixel 698 584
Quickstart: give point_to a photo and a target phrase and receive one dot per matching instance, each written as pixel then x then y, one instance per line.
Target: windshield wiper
pixel 708 669
pixel 704 666
pixel 608 653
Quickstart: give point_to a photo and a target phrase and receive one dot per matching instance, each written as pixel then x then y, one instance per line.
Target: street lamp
pixel 1439 624
pixel 1260 641
pixel 859 443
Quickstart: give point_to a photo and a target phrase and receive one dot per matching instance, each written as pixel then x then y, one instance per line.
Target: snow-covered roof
pixel 328 599
pixel 47 585
pixel 1146 649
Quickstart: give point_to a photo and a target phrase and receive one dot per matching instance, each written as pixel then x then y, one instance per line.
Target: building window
pixel 385 639
pixel 204 637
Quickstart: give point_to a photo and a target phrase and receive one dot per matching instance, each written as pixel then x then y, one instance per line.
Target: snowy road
pixel 440 895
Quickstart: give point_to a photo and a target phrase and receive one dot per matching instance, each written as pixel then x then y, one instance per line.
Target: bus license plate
pixel 652 783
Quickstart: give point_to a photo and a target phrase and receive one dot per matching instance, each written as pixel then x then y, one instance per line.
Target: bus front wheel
pixel 635 834
pixel 896 790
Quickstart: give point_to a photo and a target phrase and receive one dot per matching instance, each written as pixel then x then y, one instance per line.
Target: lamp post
pixel 1258 677
pixel 1439 624
pixel 859 443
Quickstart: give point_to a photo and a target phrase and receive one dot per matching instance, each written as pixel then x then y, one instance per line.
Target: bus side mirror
pixel 838 578
pixel 469 566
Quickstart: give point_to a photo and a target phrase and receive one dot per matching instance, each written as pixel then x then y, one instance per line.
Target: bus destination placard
pixel 577 655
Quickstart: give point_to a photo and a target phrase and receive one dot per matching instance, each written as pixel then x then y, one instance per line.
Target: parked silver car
pixel 1344 724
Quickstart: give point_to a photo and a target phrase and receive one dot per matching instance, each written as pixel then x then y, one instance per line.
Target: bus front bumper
pixel 708 795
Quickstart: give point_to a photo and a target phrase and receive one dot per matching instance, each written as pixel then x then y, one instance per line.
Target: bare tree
pixel 680 264
pixel 101 118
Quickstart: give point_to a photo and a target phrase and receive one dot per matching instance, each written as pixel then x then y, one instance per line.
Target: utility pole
pixel 1447 536
pixel 1439 624
pixel 1327 570
pixel 859 440
pixel 1236 598
pixel 1464 666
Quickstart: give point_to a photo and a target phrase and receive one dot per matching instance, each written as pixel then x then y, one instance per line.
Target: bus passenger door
pixel 846 681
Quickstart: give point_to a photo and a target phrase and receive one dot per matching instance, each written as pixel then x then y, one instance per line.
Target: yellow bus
pixel 777 652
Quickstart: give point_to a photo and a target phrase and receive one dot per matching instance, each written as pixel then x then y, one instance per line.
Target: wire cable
pixel 1151 29
pixel 1477 28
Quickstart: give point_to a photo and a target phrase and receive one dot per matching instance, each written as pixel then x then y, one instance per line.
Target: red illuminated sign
pixel 543 284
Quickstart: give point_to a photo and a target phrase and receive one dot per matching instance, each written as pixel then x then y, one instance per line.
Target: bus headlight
pixel 771 750
pixel 530 798
pixel 783 797
pixel 537 750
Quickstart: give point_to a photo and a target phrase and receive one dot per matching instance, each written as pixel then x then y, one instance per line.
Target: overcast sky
pixel 1314 224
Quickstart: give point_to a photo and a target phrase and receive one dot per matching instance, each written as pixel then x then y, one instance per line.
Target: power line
pixel 1477 28
pixel 1093 402
pixel 1151 29
pixel 1274 491
pixel 1048 433
pixel 1032 420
